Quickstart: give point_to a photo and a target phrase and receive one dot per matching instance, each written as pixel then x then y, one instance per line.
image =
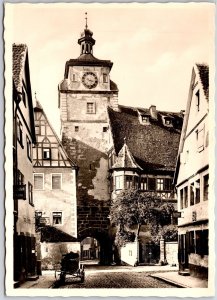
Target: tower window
pixel 90 108
pixel 105 78
pixel 76 128
pixel 105 129
pixel 74 77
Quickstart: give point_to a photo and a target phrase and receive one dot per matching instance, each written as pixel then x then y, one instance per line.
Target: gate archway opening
pixel 90 250
pixel 103 244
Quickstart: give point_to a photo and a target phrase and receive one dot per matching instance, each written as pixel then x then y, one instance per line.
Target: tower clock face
pixel 89 80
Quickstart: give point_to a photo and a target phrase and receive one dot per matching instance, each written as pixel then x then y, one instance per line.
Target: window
pixel 130 253
pixel 192 194
pixel 105 78
pixel 19 131
pixel 38 181
pixel 167 184
pixel 167 122
pixel 76 128
pixel 198 100
pixel 197 191
pixel 30 193
pixel 20 178
pixel 46 153
pixel 145 119
pixel 191 241
pixel 57 218
pixel 56 181
pixel 118 182
pixel 24 96
pixel 200 139
pixel 206 187
pixel 29 148
pixel 37 129
pixel 181 199
pixel 144 184
pixel 90 108
pixel 186 196
pixel 74 77
pixel 160 184
pixel 151 184
pixel 105 129
pixel 129 182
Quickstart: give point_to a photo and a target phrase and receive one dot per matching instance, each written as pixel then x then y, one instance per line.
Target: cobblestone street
pixel 122 279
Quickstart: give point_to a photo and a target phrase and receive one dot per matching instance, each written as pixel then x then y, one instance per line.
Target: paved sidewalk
pixel 181 281
pixel 45 281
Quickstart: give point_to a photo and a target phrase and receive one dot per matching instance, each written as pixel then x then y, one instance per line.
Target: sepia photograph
pixel 109 149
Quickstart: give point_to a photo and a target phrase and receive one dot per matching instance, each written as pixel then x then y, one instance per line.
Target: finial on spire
pixel 86 20
pixel 125 140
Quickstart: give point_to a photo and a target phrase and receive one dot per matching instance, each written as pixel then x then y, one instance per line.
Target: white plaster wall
pixel 129 253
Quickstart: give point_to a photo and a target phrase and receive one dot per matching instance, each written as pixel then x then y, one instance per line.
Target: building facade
pixel 54 193
pixel 84 95
pixel 116 147
pixel 143 157
pixel 23 140
pixel 192 177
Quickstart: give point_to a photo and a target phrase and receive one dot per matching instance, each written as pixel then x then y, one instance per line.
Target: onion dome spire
pixel 86 41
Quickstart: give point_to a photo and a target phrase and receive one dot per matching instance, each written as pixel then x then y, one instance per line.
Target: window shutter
pixel 38 181
pixel 56 182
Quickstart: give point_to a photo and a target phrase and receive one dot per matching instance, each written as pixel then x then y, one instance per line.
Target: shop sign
pixel 20 192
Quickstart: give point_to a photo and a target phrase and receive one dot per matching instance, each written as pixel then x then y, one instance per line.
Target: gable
pixel 49 151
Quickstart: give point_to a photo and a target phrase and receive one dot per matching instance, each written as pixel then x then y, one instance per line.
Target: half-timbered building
pixel 54 190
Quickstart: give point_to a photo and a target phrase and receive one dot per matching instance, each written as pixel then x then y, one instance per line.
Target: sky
pixel 153 47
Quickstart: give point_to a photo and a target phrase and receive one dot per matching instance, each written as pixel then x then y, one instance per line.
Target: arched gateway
pixel 105 253
pixel 85 94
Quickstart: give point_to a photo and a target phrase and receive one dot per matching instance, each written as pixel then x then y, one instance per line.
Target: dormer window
pixel 144 119
pixel 167 121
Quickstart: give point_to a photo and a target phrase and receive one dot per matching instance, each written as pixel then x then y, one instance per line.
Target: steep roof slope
pixel 154 146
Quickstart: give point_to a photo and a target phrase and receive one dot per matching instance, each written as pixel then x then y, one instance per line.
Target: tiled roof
pixel 19 58
pixel 113 86
pixel 86 60
pixel 52 234
pixel 204 77
pixel 125 159
pixel 154 146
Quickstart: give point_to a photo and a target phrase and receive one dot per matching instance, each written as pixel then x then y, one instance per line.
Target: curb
pixel 174 283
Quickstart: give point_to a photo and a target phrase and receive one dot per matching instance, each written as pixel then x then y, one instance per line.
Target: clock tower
pixel 85 94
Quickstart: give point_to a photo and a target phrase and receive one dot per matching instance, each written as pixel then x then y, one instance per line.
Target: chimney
pixel 153 112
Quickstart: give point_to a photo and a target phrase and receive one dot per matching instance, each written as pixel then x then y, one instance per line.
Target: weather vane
pixel 86 20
